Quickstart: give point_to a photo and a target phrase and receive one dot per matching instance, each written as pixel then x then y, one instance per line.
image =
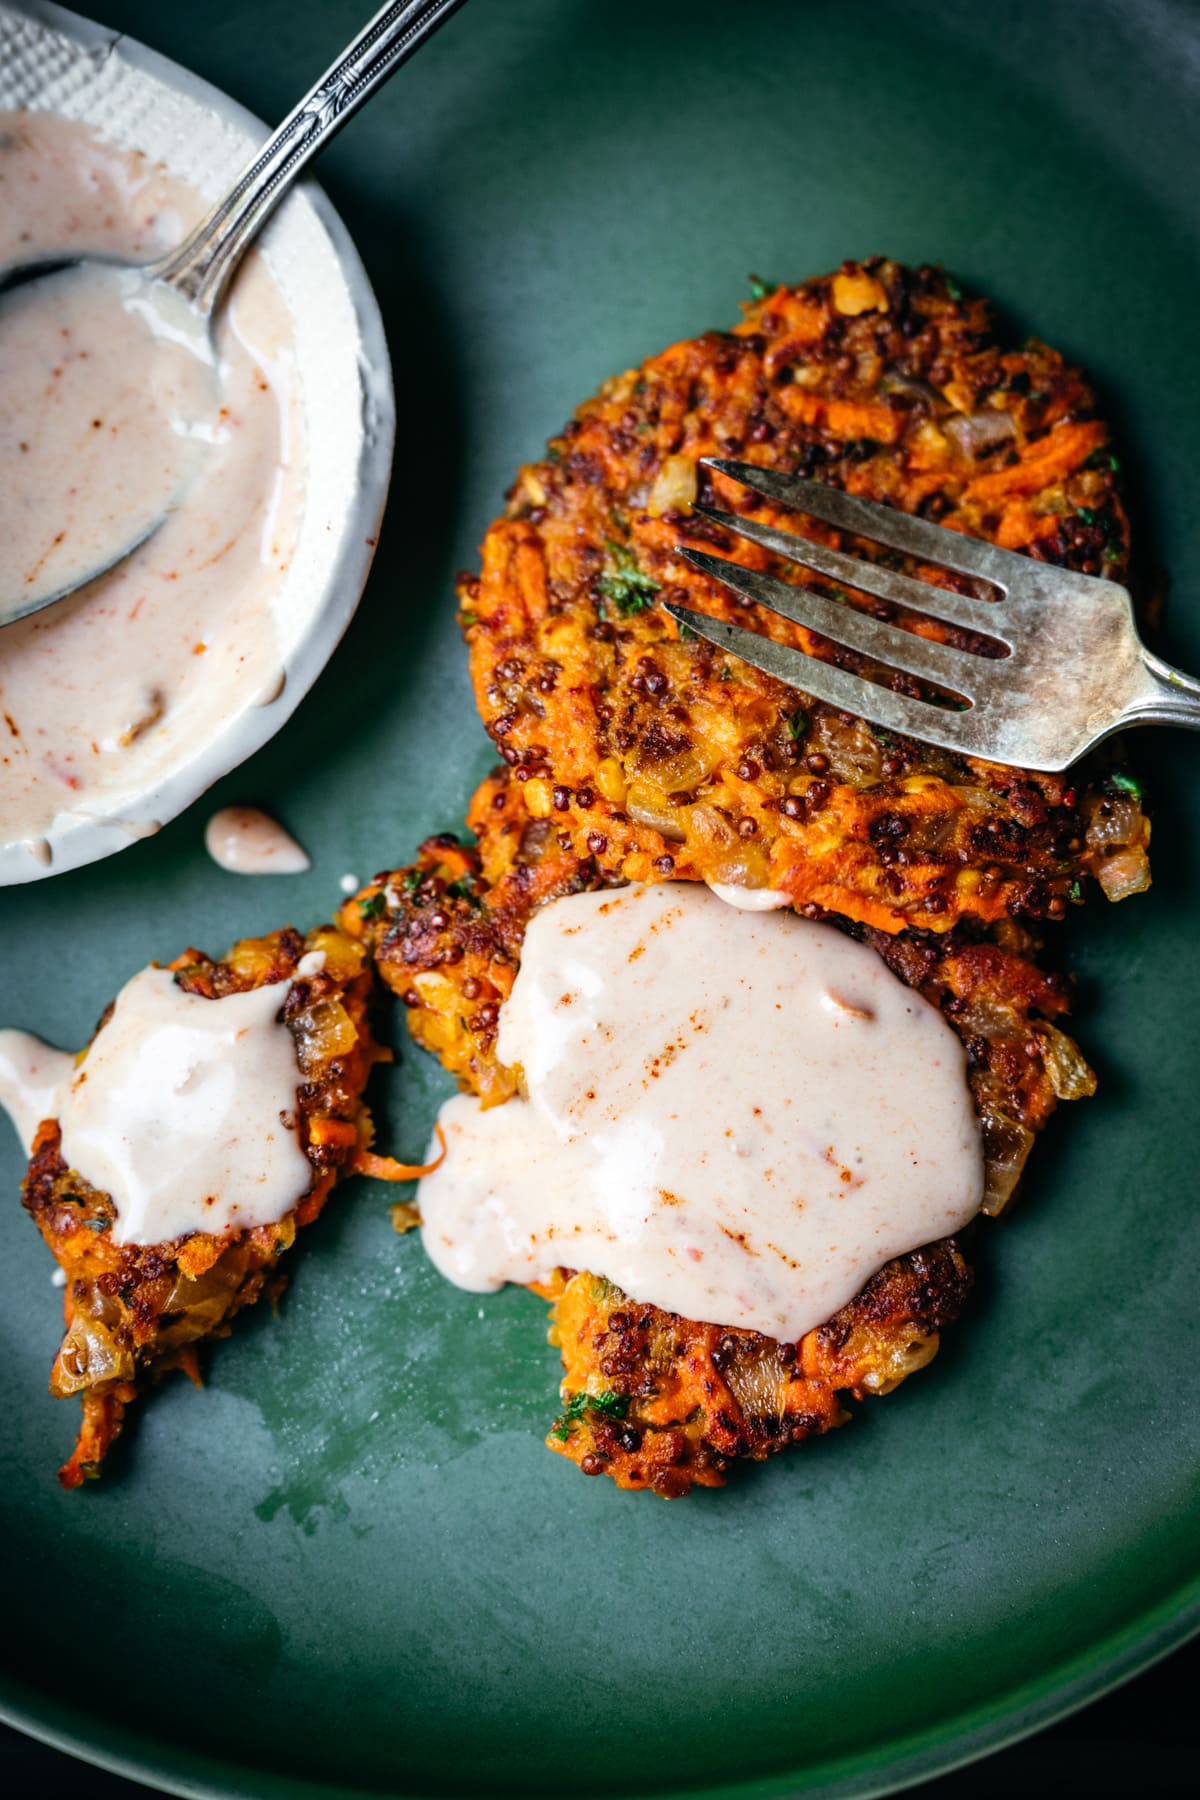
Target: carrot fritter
pixel 635 753
pixel 134 1311
pixel 655 1400
pixel 657 756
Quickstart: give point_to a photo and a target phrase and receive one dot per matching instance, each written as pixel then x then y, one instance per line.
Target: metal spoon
pixel 173 299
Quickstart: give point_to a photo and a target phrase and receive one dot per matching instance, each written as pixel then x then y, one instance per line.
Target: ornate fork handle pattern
pixel 203 263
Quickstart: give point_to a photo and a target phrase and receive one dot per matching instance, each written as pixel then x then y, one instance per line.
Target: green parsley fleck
pixel 468 618
pixel 553 453
pixel 412 880
pixel 1087 514
pixel 1075 891
pixel 759 289
pixel 372 906
pixel 1110 554
pixel 726 674
pixel 627 586
pixel 798 724
pixel 613 1406
pixel 462 889
pixel 952 287
pixel 1128 784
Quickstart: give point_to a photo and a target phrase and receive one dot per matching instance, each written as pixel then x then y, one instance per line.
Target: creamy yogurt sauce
pixel 32 1074
pixel 736 1116
pixel 104 694
pixel 106 400
pixel 750 899
pixel 182 1109
pixel 246 841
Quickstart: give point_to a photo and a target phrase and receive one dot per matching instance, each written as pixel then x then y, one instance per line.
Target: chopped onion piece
pixel 1128 872
pixel 1006 1144
pixel 1070 1076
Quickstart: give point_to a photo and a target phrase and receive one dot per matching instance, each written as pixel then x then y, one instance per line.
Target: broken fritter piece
pixel 655 755
pixel 134 1311
pixel 446 934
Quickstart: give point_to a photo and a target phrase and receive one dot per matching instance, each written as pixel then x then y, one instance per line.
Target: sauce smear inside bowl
pixel 106 694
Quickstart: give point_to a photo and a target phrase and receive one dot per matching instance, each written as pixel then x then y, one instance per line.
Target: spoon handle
pixel 203 263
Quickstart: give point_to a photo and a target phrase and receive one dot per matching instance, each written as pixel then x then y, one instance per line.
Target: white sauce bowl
pixel 52 60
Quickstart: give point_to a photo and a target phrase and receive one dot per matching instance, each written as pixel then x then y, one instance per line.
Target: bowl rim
pixel 79 842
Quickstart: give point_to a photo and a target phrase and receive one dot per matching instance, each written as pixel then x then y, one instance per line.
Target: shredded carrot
pixel 332 1131
pixel 845 419
pixel 199 1253
pixel 42 1136
pixel 1058 455
pixel 386 1168
pixel 1018 525
pixel 310 1207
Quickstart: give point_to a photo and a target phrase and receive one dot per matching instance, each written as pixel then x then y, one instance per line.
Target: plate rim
pixel 83 842
pixel 1068 1686
pixel 1065 1687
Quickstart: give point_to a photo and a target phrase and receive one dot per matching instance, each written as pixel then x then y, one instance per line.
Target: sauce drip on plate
pixel 246 841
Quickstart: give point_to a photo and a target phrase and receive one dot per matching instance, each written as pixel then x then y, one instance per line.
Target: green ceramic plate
pixel 349 1567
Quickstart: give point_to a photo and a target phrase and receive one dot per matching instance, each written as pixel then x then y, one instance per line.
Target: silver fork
pixel 1072 669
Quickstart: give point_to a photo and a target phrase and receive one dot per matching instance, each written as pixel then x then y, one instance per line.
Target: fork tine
pixel 871 578
pixel 894 712
pixel 858 631
pixel 882 524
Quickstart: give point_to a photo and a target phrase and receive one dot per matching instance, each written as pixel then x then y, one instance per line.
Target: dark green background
pixel 349 1563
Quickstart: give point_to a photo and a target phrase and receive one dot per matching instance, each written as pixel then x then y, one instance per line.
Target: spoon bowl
pixel 109 398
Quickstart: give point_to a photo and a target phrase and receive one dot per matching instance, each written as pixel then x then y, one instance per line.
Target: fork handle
pixel 1168 697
